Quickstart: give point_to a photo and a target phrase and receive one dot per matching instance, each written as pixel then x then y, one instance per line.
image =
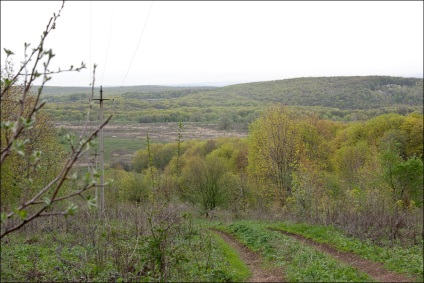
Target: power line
pixel 91 20
pixel 135 52
pixel 108 42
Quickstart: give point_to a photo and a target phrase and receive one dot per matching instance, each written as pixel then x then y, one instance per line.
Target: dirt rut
pixel 253 261
pixel 373 269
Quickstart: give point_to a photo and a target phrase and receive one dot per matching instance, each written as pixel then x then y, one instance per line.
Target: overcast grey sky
pixel 200 42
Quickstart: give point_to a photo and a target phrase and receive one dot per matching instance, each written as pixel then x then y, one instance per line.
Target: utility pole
pixel 101 189
pixel 94 165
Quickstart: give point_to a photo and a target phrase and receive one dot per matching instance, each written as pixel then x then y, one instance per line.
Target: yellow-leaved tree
pixel 275 148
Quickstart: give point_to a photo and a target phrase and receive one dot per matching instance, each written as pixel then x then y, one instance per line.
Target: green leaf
pixel 87 178
pixel 96 174
pixel 47 201
pixel 7 82
pixel 7 125
pixel 27 123
pixel 92 203
pixel 18 147
pixel 8 52
pixel 72 208
pixel 22 213
pixel 36 155
pixel 3 218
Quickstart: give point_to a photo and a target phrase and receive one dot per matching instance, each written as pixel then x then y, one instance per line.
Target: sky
pixel 219 42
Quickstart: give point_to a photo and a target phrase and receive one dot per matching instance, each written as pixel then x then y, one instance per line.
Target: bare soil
pixel 253 261
pixel 375 270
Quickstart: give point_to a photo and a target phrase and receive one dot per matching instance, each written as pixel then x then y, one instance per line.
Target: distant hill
pixel 337 98
pixel 65 90
pixel 337 92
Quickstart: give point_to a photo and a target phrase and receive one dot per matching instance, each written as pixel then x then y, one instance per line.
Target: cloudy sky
pixel 196 42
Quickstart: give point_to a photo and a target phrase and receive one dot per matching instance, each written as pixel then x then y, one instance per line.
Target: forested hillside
pixel 55 91
pixel 335 98
pixel 337 92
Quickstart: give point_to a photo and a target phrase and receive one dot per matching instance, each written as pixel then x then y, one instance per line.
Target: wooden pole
pixel 102 168
pixel 101 194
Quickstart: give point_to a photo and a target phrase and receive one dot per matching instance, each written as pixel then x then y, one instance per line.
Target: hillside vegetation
pixel 335 98
pixel 337 92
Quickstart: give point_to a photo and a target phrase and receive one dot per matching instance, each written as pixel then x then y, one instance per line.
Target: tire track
pixel 374 269
pixel 253 261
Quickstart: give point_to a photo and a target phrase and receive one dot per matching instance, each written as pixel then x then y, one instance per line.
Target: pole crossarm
pixel 101 96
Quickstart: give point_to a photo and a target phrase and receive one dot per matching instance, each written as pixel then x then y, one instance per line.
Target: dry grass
pixel 123 139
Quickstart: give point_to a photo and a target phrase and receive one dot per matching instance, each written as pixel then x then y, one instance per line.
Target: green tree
pixel 349 160
pixel 126 187
pixel 404 177
pixel 413 127
pixel 274 151
pixel 207 182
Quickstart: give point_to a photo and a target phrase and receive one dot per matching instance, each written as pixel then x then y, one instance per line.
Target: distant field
pixel 123 139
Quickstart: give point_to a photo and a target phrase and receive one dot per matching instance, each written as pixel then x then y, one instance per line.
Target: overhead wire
pixel 108 43
pixel 135 52
pixel 90 96
pixel 106 57
pixel 91 24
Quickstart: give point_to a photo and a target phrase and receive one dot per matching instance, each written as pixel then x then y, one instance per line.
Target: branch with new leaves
pixel 15 141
